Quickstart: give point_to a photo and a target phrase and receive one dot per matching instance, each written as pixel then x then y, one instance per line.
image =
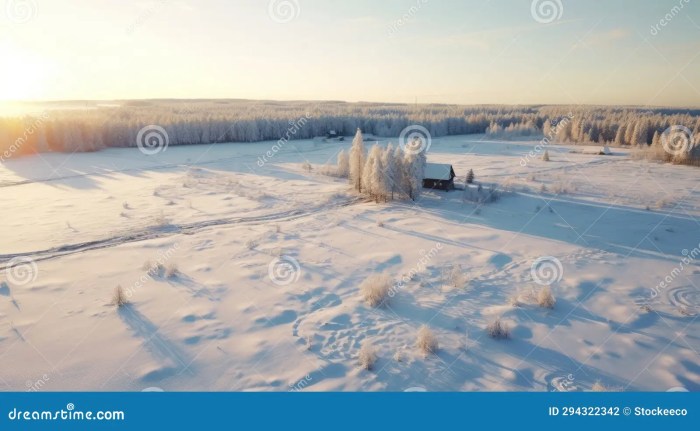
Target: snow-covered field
pixel 270 258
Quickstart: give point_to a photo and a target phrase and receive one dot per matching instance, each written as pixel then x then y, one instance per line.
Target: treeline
pixel 67 128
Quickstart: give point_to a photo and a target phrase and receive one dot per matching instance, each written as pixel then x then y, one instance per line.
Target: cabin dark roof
pixel 438 171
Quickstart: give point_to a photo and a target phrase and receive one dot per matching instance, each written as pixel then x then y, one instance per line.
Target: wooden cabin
pixel 332 135
pixel 439 176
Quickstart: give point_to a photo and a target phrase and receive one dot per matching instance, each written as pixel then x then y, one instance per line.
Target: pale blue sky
pixel 450 51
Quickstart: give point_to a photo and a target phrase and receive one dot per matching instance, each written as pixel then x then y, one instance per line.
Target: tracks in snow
pixel 166 231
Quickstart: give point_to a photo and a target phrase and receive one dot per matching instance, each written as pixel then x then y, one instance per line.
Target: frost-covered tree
pixel 343 164
pixel 414 172
pixel 399 170
pixel 639 136
pixel 390 169
pixel 620 135
pixel 470 176
pixel 367 170
pixel 378 182
pixel 357 161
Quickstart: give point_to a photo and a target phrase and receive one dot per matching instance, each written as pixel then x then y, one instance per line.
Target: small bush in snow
pixel 380 223
pixel 457 278
pixel 599 387
pixel 119 298
pixel 307 166
pixel 160 220
pixel 426 342
pixel 663 203
pixel 367 356
pixel 171 271
pixel 329 171
pixel 545 156
pixel 562 188
pixel 375 289
pixel 251 244
pixel 498 329
pixel 545 299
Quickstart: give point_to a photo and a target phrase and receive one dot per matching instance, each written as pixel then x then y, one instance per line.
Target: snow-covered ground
pixel 239 314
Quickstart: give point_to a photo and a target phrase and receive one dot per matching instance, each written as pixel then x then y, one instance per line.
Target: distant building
pixel 332 134
pixel 439 176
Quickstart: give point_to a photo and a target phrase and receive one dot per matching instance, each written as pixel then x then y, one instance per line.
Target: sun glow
pixel 22 76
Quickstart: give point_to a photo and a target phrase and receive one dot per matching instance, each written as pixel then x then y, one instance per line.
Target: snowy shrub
pixel 470 177
pixel 375 289
pixel 277 251
pixel 398 356
pixel 457 278
pixel 343 168
pixel 367 356
pixel 545 299
pixel 307 166
pixel 562 188
pixel 125 205
pixel 426 341
pixel 160 220
pixel 498 329
pixel 685 311
pixel 171 271
pixel 328 170
pixel 480 195
pixel 380 223
pixel 598 386
pixel 545 156
pixel 514 300
pixel 251 244
pixel 119 298
pixel 664 202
